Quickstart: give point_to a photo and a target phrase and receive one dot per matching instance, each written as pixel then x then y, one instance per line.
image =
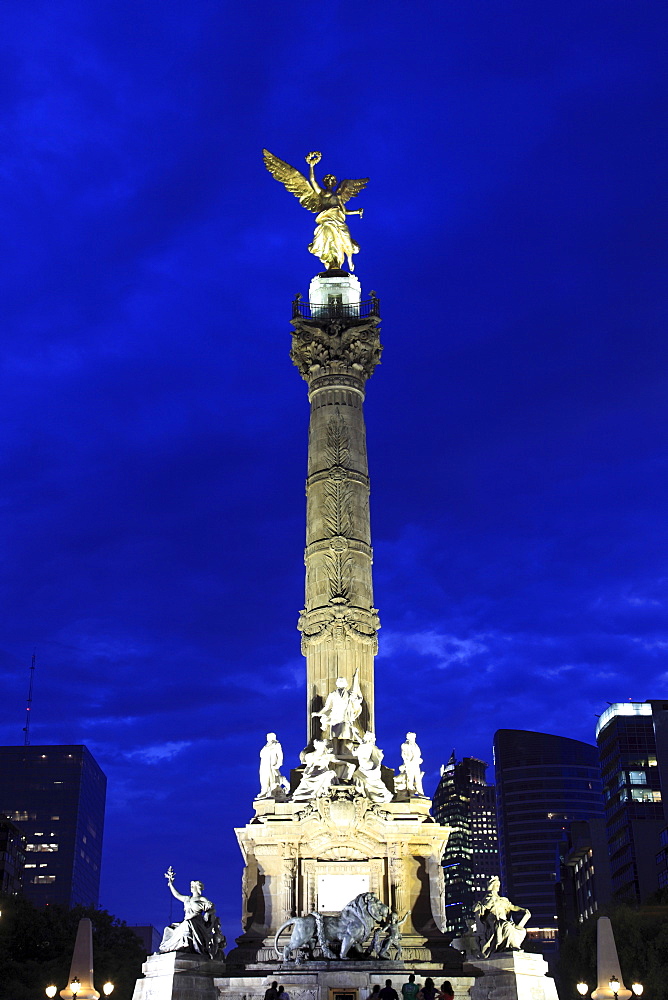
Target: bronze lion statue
pixel 348 929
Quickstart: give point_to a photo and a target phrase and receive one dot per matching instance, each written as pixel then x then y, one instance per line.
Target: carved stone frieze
pixel 343 853
pixel 337 623
pixel 335 843
pixel 349 346
pixel 268 850
pixel 342 812
pixel 396 849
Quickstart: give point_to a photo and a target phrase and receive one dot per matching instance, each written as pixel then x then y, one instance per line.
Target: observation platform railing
pixel 335 310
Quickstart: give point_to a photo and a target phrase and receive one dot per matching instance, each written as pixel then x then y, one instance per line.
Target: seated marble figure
pixel 199 931
pixel 499 932
pixel 317 776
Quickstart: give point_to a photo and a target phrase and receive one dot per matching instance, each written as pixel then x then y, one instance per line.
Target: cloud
pixel 159 753
pixel 445 649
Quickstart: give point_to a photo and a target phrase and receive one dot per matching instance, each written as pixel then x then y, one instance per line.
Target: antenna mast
pixel 26 728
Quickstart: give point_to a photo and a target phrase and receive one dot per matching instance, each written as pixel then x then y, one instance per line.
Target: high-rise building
pixel 632 739
pixel 465 802
pixel 56 797
pixel 543 784
pixel 12 858
pixel 584 879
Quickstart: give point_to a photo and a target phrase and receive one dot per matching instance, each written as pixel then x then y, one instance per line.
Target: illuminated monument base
pixel 506 976
pixel 314 857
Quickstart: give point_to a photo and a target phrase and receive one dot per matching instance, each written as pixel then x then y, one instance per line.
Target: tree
pixel 641 936
pixel 36 948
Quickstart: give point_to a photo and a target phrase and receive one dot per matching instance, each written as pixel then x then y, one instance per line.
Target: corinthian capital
pixel 346 346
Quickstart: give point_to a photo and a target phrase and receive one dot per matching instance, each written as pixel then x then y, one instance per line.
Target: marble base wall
pixel 513 975
pixel 178 976
pixel 316 984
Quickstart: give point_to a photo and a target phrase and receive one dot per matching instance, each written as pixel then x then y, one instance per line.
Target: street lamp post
pixel 75 986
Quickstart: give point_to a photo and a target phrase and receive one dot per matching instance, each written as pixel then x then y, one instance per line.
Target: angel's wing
pixel 348 189
pixel 295 182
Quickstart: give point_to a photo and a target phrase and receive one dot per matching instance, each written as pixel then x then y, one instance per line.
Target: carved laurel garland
pixel 337 495
pixel 339 574
pixel 338 509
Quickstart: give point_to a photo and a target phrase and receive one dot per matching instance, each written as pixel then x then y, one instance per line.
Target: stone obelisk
pixel 336 346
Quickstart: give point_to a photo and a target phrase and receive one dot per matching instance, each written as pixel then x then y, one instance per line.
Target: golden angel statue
pixel 332 241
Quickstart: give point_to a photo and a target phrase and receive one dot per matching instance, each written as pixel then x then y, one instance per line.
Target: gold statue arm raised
pixel 332 242
pixel 312 159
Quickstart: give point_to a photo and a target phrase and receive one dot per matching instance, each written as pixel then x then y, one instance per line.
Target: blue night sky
pixel 154 429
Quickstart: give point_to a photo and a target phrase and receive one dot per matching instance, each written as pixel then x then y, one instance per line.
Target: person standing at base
pixel 428 991
pixel 374 992
pixel 388 992
pixel 410 990
pixel 447 992
pixel 272 992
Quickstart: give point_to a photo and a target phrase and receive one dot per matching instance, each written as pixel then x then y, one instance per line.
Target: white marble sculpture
pixel 368 775
pixel 412 758
pixel 499 931
pixel 271 759
pixel 199 931
pixel 317 776
pixel 342 708
pixel 344 931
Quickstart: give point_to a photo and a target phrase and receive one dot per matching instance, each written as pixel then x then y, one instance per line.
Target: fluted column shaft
pixel 338 623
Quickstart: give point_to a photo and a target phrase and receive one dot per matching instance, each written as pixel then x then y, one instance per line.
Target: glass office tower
pixel 543 784
pixel 633 743
pixel 56 796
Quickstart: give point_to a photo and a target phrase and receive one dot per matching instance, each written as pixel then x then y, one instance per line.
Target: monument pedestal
pixel 299 855
pixel 513 975
pixel 178 975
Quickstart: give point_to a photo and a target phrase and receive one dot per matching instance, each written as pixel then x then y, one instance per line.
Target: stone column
pixel 336 349
pixel 272 868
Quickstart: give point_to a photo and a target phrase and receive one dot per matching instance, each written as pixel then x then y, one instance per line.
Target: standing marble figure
pixel 412 758
pixel 199 931
pixel 271 759
pixel 342 708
